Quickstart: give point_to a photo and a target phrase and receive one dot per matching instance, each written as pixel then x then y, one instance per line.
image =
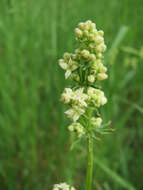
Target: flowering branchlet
pixel 85 67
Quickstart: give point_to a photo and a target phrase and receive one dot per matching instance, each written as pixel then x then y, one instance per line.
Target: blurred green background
pixel 34 141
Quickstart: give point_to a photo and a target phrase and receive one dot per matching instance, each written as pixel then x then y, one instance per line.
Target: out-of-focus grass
pixel 34 142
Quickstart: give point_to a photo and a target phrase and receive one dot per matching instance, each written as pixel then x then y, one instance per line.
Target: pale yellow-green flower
pixel 75 112
pixel 63 186
pixel 79 98
pixel 69 66
pixel 67 95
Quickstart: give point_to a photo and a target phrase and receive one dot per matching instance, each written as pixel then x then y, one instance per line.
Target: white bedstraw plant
pixel 85 68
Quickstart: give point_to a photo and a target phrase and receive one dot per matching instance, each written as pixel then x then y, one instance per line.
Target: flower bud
pixel 96 121
pixel 92 46
pixel 99 55
pixel 102 68
pixel 91 37
pixel 100 48
pixel 78 33
pixel 92 57
pixel 101 33
pixel 71 128
pixel 102 76
pixel 81 25
pixel 91 78
pixel 67 55
pixel 93 26
pixel 85 54
pixel 86 33
pixel 103 100
pixel 99 39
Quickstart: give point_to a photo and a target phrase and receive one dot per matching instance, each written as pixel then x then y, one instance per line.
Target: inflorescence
pixel 85 67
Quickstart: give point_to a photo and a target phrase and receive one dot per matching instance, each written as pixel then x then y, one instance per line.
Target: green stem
pixel 89 164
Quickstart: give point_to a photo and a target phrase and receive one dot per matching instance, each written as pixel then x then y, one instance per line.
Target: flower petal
pixel 67 74
pixel 62 64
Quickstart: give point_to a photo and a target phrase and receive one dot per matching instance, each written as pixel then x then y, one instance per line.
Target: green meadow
pixel 35 145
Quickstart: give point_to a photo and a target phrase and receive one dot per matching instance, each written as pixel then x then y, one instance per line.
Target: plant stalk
pixel 89 164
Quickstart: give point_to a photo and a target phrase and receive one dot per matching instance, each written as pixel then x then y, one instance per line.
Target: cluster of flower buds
pixel 63 186
pixel 78 128
pixel 84 67
pixel 90 38
pixel 96 122
pixel 88 56
pixel 96 97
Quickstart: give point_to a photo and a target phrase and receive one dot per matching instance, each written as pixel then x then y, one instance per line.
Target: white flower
pixel 80 98
pixel 67 95
pixel 63 64
pixel 75 112
pixel 71 66
pixel 68 64
pixel 63 186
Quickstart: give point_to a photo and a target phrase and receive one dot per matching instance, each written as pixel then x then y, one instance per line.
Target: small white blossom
pixel 63 186
pixel 80 98
pixel 75 112
pixel 68 64
pixel 63 64
pixel 67 95
pixel 71 67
